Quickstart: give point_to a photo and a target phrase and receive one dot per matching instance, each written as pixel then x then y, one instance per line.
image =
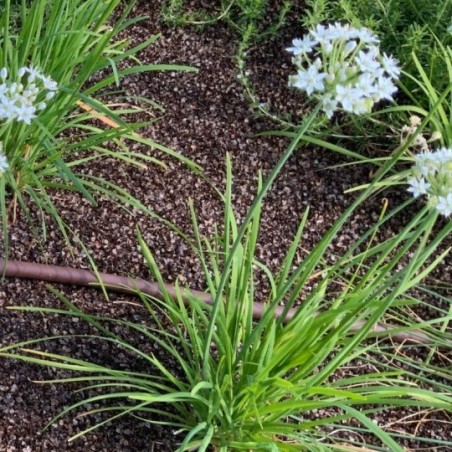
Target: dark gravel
pixel 206 115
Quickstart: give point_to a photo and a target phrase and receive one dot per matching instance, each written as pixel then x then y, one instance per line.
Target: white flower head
pixel 21 98
pixel 433 177
pixel 341 67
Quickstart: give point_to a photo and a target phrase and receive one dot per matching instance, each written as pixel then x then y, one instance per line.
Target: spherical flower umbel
pixel 22 98
pixel 349 72
pixel 432 176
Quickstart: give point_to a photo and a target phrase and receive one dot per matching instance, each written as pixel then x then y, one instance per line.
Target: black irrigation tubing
pixel 116 283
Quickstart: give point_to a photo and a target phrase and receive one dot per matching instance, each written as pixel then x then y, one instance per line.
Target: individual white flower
pixel 310 80
pixel 300 46
pixel 427 163
pixel 343 31
pixel 50 95
pixel 327 46
pixel 324 36
pixel 444 155
pixel 51 84
pixel 444 206
pixel 367 37
pixel 8 109
pixel 373 51
pixel 14 88
pixel 329 105
pixel 367 62
pixel 346 95
pixel 26 113
pixel 384 89
pixel 320 33
pixel 366 83
pixel 33 73
pixel 41 106
pixel 391 66
pixel 4 73
pixel 3 163
pixel 418 187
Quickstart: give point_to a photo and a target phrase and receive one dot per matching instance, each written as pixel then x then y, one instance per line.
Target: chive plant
pixel 49 53
pixel 241 384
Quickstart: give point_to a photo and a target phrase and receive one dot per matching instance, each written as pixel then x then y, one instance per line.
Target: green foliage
pixel 242 384
pixel 439 109
pixel 404 27
pixel 244 16
pixel 70 41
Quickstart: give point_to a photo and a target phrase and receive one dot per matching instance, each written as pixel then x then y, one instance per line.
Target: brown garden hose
pixel 78 277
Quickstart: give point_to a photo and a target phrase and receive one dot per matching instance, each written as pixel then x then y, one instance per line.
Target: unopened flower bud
pixel 415 120
pixel 436 135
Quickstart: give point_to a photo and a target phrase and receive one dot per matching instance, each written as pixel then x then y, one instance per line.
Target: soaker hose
pixel 124 284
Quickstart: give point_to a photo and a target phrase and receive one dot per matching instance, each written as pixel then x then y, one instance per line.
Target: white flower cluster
pixel 432 176
pixel 343 68
pixel 3 160
pixel 21 100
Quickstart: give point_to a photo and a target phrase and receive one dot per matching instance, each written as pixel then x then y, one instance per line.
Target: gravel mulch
pixel 206 115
